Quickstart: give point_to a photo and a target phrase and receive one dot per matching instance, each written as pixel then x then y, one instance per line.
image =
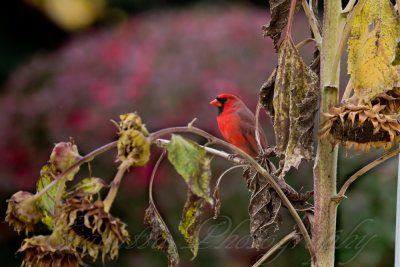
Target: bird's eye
pixel 222 100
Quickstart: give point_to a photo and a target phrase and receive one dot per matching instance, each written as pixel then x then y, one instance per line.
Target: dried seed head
pixel 132 121
pixel 64 154
pixel 23 212
pixel 133 145
pixel 91 228
pixel 39 252
pixel 361 126
pixel 133 148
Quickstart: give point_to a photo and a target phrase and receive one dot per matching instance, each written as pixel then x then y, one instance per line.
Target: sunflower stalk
pixel 112 193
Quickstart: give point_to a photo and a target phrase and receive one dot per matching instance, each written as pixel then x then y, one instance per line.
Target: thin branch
pixel 304 42
pixel 153 174
pixel 363 170
pixel 216 189
pixel 222 154
pixel 89 157
pixel 348 90
pixel 313 23
pixel 257 133
pixel 290 20
pixel 345 34
pixel 253 163
pixel 349 6
pixel 272 250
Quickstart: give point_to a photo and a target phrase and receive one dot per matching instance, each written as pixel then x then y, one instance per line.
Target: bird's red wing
pixel 248 129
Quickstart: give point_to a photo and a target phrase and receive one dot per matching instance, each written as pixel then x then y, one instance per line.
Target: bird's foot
pixel 232 156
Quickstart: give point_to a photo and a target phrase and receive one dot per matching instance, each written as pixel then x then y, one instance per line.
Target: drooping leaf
pixel 370 48
pixel 265 203
pixel 279 17
pixel 161 235
pixel 191 219
pixel 267 95
pixel 295 104
pixel 190 161
pixel 46 201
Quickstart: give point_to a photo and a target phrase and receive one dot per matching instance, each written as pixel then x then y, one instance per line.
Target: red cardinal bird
pixel 237 123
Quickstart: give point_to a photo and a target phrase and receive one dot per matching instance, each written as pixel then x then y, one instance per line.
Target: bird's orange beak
pixel 215 103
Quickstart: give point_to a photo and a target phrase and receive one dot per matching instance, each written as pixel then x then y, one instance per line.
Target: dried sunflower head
pixel 64 154
pixel 91 228
pixel 362 126
pixel 39 252
pixel 23 211
pixel 133 148
pixel 132 121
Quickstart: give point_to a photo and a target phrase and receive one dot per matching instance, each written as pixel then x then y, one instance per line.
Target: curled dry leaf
pixel 295 102
pixel 267 94
pixel 370 45
pixel 191 221
pixel 279 19
pixel 265 203
pixel 160 234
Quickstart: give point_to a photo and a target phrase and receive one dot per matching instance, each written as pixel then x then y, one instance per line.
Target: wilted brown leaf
pixel 295 103
pixel 267 95
pixel 191 220
pixel 279 18
pixel 265 203
pixel 161 235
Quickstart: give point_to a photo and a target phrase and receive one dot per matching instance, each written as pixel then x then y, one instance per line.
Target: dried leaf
pixel 370 47
pixel 267 95
pixel 161 235
pixel 191 220
pixel 190 161
pixel 265 203
pixel 295 104
pixel 279 18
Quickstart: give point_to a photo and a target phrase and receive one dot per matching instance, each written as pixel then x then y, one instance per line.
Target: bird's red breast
pixel 237 123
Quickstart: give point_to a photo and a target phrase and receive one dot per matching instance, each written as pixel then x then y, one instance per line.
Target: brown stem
pixel 363 170
pixel 257 120
pixel 253 163
pixel 272 250
pixel 290 19
pixel 153 174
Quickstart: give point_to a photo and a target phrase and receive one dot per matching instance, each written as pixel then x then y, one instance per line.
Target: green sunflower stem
pixel 112 193
pixel 59 194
